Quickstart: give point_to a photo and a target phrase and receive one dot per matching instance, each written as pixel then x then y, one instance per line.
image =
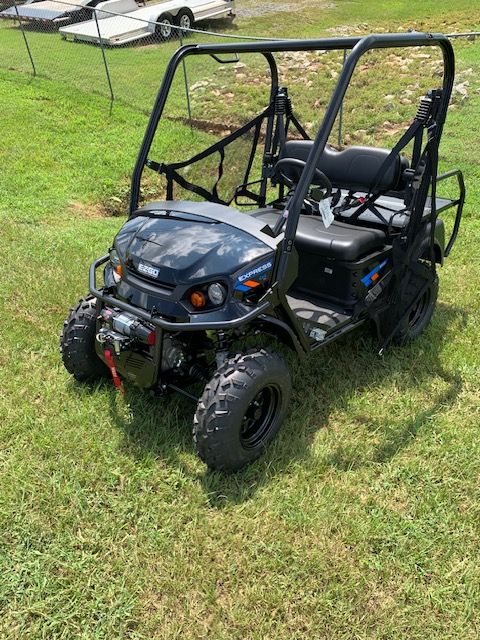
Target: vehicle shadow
pixel 325 385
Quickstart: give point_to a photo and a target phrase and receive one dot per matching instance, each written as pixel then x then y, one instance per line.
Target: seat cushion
pixel 354 168
pixel 340 240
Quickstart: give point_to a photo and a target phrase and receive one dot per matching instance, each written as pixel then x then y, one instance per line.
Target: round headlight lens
pixel 216 294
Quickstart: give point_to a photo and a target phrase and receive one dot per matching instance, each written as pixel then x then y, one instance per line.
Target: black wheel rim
pixel 419 310
pixel 259 417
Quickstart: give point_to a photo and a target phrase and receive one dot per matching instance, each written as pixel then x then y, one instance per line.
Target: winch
pixel 120 329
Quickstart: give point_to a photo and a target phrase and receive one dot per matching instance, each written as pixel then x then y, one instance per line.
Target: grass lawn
pixel 361 521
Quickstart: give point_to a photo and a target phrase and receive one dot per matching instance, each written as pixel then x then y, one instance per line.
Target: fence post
pixel 112 97
pixel 25 39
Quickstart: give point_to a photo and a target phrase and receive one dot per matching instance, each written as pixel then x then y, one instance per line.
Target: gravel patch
pixel 261 8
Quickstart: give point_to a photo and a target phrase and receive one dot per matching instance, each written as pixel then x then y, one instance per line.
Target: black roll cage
pixel 358 46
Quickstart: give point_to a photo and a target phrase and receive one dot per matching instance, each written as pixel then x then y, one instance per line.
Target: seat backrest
pixel 353 168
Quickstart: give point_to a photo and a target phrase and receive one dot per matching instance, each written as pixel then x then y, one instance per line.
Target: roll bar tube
pixel 455 173
pixel 265 48
pixel 162 96
pixel 358 46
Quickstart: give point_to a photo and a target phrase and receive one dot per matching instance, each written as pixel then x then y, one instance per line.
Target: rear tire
pixel 241 409
pixel 77 342
pixel 164 31
pixel 184 20
pixel 420 316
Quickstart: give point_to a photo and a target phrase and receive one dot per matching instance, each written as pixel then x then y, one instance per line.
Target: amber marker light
pixel 197 299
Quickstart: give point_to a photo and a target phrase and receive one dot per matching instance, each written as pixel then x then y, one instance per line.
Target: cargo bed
pixel 50 11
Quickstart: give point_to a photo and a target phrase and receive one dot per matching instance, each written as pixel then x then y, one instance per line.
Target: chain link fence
pixel 117 49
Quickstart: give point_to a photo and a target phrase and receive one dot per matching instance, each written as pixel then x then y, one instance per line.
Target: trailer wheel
pixel 184 20
pixel 77 342
pixel 241 409
pixel 164 30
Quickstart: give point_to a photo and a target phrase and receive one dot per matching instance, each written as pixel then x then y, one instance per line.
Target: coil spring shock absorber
pixel 197 372
pixel 283 102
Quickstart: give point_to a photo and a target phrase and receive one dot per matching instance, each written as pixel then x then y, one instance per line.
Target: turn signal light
pixel 197 299
pixel 118 269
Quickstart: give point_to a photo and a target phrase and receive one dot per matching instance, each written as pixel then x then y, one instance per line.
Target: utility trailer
pixel 163 19
pixel 51 12
pixel 5 4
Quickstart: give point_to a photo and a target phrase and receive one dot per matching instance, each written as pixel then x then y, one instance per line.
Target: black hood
pixel 184 248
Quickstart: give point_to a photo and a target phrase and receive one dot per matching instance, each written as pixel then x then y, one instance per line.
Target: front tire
pixel 77 342
pixel 241 409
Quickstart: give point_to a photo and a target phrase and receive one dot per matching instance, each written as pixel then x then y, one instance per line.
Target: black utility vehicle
pixel 349 236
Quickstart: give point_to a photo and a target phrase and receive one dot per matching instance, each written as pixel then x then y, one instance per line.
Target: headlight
pixel 216 294
pixel 206 297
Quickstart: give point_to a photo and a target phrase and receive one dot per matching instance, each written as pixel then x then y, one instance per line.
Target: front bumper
pixel 162 323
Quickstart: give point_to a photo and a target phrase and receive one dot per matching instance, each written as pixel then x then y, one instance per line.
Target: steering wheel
pixel 324 182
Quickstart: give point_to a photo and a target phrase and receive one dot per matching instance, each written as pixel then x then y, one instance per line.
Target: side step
pixel 318 321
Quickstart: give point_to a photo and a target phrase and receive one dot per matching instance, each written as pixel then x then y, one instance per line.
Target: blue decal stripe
pixel 367 280
pixel 241 287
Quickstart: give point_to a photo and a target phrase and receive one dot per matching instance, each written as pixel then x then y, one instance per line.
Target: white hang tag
pixel 326 213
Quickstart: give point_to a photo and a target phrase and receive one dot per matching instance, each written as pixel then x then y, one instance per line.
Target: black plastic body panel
pixel 186 251
pixel 167 248
pixel 210 211
pixel 338 281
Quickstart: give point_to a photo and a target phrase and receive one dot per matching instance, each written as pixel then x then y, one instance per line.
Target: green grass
pixel 361 521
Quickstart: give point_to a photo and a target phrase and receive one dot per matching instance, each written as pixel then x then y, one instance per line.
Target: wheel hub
pixel 259 416
pixel 419 309
pixel 165 29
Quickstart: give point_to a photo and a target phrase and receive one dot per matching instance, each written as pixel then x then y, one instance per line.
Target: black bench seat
pixel 340 240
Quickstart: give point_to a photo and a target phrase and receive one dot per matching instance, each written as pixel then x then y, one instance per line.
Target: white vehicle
pixel 135 24
pixel 53 12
